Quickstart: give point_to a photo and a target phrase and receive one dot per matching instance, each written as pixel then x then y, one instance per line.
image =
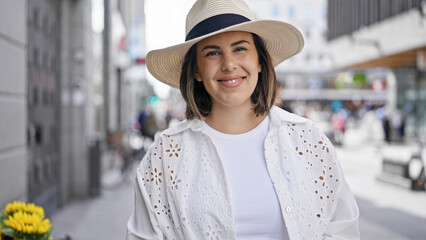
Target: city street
pixel 387 211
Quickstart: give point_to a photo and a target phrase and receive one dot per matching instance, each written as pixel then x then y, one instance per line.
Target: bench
pixel 402 165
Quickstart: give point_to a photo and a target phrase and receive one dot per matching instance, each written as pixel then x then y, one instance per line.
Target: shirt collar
pixel 278 118
pixel 193 124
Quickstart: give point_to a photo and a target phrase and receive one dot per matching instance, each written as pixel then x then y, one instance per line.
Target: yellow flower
pixel 13 207
pixel 28 223
pixel 32 208
pixel 26 220
pixel 21 206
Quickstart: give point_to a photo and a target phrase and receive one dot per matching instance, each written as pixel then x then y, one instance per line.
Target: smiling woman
pixel 237 168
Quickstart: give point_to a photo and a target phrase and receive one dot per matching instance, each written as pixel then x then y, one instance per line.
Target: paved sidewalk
pixel 386 211
pixel 104 217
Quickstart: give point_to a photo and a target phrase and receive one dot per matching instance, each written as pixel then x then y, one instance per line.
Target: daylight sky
pixel 165 26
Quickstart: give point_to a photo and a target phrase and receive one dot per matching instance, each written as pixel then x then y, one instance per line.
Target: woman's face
pixel 228 66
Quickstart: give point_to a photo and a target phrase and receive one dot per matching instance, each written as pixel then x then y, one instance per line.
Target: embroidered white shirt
pixel 181 191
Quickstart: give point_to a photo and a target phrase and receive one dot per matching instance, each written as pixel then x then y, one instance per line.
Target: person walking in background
pixel 384 116
pixel 398 122
pixel 338 121
pixel 238 167
pixel 141 121
pixel 147 123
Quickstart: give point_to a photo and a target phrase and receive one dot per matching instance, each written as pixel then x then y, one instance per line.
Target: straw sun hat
pixel 210 17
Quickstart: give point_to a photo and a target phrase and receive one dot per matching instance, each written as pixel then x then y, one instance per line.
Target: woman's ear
pixel 259 68
pixel 197 76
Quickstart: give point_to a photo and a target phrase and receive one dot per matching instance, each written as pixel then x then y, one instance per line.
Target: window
pixel 307 13
pixel 35 18
pixel 291 11
pixel 36 58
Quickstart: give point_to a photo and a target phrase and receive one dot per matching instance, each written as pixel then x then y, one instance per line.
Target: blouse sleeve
pixel 344 221
pixel 142 224
pixel 345 215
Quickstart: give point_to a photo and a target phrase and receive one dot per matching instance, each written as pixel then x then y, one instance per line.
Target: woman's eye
pixel 212 53
pixel 239 49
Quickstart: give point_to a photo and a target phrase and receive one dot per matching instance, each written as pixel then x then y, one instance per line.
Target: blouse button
pixel 288 209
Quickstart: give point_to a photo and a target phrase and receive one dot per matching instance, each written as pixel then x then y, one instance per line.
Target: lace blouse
pixel 181 190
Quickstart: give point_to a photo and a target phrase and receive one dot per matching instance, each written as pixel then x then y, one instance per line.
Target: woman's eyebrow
pixel 232 45
pixel 210 46
pixel 239 42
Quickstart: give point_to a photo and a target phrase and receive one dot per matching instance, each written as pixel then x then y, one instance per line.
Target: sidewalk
pixel 104 217
pixel 387 211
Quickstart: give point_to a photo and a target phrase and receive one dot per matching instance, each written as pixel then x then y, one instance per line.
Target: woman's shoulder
pixel 181 127
pixel 295 125
pixel 281 117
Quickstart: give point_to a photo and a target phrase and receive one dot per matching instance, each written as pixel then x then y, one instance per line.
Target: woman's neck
pixel 231 121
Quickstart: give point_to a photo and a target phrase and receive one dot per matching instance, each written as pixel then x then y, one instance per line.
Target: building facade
pixel 310 17
pixel 13 101
pixel 45 62
pixel 385 36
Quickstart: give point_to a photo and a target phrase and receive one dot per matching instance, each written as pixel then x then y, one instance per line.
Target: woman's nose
pixel 228 63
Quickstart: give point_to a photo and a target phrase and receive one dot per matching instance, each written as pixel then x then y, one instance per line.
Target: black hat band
pixel 215 23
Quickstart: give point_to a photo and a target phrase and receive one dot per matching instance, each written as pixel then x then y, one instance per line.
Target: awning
pixel 398 60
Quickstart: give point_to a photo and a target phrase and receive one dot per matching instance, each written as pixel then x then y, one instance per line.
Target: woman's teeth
pixel 232 81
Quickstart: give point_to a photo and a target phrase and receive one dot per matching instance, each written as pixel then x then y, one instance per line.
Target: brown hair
pixel 198 101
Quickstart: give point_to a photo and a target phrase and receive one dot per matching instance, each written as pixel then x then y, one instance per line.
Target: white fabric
pixel 254 203
pixel 181 191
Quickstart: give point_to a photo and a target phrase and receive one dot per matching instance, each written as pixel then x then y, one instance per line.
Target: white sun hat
pixel 210 17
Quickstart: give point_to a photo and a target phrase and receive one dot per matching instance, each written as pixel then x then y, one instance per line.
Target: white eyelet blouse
pixel 181 190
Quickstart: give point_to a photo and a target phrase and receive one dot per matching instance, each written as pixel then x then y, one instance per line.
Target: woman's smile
pixel 231 81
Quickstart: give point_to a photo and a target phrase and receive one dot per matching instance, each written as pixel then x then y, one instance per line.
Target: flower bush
pixel 22 221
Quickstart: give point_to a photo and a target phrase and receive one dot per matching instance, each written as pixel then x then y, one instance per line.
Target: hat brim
pixel 282 41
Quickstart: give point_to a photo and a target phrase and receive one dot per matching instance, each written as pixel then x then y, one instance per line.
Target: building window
pixel 35 96
pixel 36 58
pixel 307 13
pixel 45 62
pixel 45 100
pixel 308 57
pixel 276 11
pixel 291 11
pixel 307 33
pixel 35 18
pixel 45 26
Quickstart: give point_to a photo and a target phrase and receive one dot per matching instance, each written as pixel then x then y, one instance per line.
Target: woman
pixel 238 168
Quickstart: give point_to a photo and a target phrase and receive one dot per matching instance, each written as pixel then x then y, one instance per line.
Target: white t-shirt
pixel 255 205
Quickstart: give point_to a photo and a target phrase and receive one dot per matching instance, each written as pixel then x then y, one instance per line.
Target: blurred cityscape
pixel 78 108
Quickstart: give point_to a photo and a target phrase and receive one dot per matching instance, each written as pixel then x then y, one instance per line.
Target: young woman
pixel 237 168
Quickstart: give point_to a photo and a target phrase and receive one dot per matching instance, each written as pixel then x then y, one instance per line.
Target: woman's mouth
pixel 232 81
